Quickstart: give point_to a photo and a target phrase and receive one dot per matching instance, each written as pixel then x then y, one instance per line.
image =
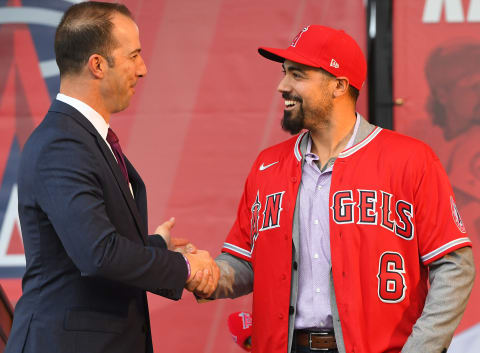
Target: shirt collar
pixel 88 112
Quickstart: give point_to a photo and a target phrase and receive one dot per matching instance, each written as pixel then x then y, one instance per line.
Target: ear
pixel 97 65
pixel 341 87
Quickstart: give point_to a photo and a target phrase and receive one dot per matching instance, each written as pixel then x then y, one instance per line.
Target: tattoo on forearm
pixel 226 280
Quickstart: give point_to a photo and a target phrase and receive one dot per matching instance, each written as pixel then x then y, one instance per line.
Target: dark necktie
pixel 112 139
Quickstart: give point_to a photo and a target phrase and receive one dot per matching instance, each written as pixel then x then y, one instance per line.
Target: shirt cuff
pixel 188 266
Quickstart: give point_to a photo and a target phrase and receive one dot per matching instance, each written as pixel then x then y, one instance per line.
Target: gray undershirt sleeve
pixel 236 277
pixel 451 281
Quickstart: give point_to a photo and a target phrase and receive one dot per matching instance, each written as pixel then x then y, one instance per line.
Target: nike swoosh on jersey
pixel 263 167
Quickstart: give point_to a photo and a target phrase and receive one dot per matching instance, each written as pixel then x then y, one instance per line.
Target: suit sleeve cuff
pixel 156 241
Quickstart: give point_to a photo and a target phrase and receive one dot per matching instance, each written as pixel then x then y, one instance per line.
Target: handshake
pixel 204 272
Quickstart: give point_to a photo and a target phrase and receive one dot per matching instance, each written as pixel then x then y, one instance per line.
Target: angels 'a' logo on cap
pixel 298 36
pixel 456 216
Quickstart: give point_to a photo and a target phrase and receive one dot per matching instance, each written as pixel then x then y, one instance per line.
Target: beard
pixel 294 121
pixel 293 124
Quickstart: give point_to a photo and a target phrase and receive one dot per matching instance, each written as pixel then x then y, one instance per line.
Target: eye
pixel 284 72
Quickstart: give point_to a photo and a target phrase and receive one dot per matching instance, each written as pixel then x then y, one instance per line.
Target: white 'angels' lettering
pixel 271 213
pixel 343 211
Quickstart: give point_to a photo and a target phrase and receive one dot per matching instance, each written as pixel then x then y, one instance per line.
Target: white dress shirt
pixel 93 117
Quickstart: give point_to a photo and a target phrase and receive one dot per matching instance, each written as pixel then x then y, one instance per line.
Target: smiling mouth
pixel 290 104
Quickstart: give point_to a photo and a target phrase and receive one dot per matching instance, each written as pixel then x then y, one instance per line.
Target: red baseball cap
pixel 240 326
pixel 332 50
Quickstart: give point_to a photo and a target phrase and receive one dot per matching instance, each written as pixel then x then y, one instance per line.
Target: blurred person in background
pixel 454 105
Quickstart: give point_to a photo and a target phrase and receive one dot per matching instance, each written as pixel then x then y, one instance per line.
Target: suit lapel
pixel 58 106
pixel 139 191
pixel 115 168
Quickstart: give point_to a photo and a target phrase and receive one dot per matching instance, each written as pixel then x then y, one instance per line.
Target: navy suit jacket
pixel 89 258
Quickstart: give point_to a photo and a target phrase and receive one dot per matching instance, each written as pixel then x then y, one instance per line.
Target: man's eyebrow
pixel 293 68
pixel 136 51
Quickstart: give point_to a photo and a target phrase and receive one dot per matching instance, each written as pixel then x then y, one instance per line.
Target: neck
pixel 330 140
pixel 86 92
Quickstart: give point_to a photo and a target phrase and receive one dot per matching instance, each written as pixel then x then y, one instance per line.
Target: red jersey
pixel 392 212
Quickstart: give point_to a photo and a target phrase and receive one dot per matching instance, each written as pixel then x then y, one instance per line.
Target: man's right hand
pixel 204 273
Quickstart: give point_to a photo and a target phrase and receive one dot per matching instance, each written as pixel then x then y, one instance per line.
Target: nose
pixel 141 68
pixel 283 85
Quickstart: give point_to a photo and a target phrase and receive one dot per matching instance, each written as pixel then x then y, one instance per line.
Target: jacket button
pixel 295 265
pixel 291 310
pixel 284 276
pixel 294 179
pixel 280 316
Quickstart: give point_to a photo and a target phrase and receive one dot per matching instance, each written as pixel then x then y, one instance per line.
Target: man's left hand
pixel 181 245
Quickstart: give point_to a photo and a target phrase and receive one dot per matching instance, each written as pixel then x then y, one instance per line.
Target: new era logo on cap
pixel 328 48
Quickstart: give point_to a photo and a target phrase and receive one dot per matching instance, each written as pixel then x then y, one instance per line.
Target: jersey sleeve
pixel 239 239
pixel 440 228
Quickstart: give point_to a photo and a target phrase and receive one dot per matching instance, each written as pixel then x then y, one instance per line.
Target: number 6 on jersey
pixel 391 282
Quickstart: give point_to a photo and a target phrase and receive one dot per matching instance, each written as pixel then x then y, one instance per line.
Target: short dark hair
pixel 352 91
pixel 86 29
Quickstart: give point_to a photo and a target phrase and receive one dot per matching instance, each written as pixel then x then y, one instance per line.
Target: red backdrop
pixel 205 109
pixel 436 72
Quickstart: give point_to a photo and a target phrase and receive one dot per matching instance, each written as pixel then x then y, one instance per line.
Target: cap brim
pixel 280 55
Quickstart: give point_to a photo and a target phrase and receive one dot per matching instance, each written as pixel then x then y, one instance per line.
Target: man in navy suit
pixel 83 208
